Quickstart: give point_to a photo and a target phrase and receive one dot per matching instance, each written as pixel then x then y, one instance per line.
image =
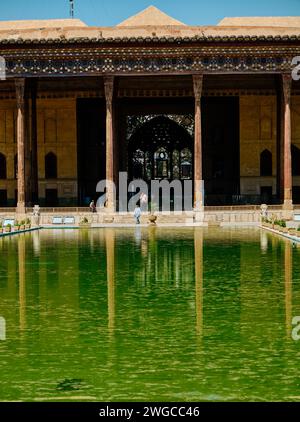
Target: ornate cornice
pixel 174 59
pixel 138 65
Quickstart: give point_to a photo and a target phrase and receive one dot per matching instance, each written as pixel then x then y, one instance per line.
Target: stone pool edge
pixel 20 231
pixel 286 235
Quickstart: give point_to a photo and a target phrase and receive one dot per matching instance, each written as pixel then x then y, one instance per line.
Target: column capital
pixel 20 91
pixel 198 84
pixel 287 86
pixel 109 89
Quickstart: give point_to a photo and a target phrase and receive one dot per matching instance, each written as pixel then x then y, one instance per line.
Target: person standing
pixel 137 214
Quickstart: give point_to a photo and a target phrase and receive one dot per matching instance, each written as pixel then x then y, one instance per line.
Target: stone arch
pixel 152 147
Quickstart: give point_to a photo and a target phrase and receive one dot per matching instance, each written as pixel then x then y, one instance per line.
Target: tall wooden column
pixel 198 182
pixel 109 90
pixel 34 152
pixel 20 96
pixel 287 153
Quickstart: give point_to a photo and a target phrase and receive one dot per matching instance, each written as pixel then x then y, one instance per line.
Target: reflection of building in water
pixel 138 235
pixel 263 294
pixel 57 292
pixel 36 242
pixel 263 240
pixel 161 263
pixel 22 281
pixel 288 280
pixel 198 244
pixel 110 268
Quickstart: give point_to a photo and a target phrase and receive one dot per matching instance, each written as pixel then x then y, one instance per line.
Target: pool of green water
pixel 149 315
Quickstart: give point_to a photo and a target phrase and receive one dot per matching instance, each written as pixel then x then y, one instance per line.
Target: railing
pixel 70 210
pixel 240 207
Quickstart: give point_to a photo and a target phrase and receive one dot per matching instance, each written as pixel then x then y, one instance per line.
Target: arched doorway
pixel 160 149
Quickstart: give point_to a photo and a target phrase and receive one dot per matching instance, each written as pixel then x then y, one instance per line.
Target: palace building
pixel 155 98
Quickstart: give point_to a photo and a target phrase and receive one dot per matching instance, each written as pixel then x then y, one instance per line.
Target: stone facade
pixel 258 132
pixel 56 133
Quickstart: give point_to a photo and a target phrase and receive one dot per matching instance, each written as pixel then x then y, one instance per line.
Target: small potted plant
pixel 84 222
pixel 16 226
pixel 1 227
pixel 22 225
pixel 152 217
pixel 283 228
pixel 7 228
pixel 28 223
pixel 292 231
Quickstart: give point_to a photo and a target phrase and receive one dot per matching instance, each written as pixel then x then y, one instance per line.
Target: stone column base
pixel 288 209
pixel 199 215
pixel 21 208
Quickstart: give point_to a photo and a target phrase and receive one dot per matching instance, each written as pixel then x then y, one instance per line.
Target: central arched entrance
pixel 160 149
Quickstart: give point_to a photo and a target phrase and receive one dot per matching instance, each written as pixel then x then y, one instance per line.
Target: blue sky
pixel 111 12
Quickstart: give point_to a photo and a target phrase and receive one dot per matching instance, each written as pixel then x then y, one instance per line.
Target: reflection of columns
pixel 110 271
pixel 287 159
pixel 198 185
pixel 109 90
pixel 288 280
pixel 20 96
pixel 22 282
pixel 198 245
pixel 263 241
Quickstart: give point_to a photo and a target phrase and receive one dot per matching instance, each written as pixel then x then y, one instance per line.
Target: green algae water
pixel 149 315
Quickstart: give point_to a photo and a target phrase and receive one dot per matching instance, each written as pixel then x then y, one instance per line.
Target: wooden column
pixel 287 154
pixel 109 90
pixel 34 152
pixel 279 140
pixel 20 96
pixel 198 182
